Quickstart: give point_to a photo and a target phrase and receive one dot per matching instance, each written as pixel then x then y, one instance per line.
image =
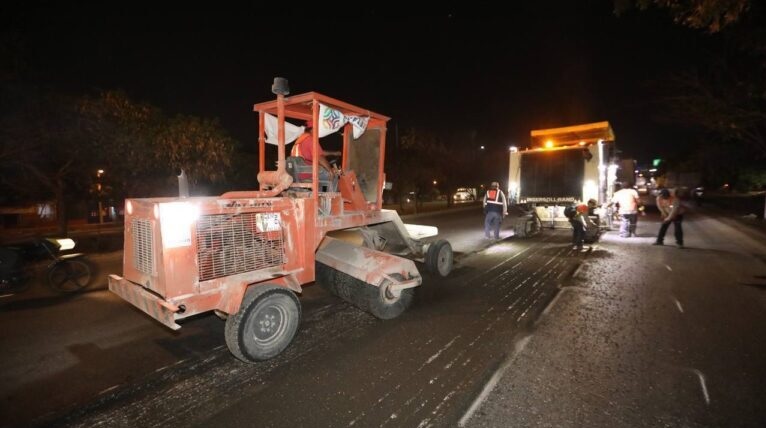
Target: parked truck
pixel 246 255
pixel 563 166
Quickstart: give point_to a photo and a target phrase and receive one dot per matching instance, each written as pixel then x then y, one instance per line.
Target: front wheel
pixel 69 276
pixel 265 324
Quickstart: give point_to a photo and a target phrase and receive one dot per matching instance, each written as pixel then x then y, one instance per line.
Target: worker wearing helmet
pixel 495 208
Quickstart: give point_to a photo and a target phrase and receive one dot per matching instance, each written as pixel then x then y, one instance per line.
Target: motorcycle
pixel 64 273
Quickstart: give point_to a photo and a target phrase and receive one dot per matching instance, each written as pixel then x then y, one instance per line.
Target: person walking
pixel 627 199
pixel 671 211
pixel 495 210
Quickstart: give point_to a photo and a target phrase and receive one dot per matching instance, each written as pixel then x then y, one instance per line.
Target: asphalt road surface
pixel 647 336
pixel 523 333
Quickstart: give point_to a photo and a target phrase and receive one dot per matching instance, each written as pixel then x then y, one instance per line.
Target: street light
pixel 99 174
pixel 481 148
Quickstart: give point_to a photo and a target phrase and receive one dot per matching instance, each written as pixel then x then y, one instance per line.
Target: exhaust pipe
pixel 278 180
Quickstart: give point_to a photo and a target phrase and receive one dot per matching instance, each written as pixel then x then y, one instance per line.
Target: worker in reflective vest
pixel 495 209
pixel 303 147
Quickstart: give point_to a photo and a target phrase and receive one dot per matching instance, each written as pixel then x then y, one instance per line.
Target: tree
pixel 711 15
pixel 723 102
pixel 424 156
pixel 417 162
pixel 124 133
pixel 41 152
pixel 724 98
pixel 198 146
pixel 141 148
pixel 52 145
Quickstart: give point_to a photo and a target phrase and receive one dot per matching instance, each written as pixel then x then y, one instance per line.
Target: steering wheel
pixel 333 160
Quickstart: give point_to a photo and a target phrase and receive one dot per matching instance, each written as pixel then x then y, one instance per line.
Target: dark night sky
pixel 493 76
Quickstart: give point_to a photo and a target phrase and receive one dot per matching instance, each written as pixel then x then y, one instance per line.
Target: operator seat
pixel 301 172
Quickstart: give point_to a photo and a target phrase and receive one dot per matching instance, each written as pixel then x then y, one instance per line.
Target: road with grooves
pixel 346 368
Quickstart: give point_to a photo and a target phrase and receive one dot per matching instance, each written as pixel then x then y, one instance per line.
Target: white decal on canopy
pixel 359 123
pixel 332 120
pixel 291 131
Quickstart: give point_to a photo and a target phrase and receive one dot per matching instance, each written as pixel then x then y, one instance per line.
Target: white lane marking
pixel 6 295
pixel 108 389
pixel 703 385
pixel 678 304
pixel 669 268
pixel 444 401
pixel 547 238
pixel 492 382
pixel 436 355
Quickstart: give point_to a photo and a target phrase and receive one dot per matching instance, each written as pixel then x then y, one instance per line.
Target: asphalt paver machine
pixel 563 166
pixel 247 254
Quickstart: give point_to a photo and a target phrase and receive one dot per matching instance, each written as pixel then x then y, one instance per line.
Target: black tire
pixel 520 227
pixel 385 305
pixel 265 324
pixel 378 301
pixel 325 276
pixel 439 258
pixel 70 276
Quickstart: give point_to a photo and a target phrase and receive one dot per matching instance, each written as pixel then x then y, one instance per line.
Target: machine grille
pixel 231 244
pixel 143 246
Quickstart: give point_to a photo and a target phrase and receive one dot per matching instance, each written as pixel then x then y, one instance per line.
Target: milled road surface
pixel 337 345
pixel 647 336
pixel 640 336
pixel 347 368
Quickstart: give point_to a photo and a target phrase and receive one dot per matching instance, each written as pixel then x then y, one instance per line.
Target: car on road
pixel 464 195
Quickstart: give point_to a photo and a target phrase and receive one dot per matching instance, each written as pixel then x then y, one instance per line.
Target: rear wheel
pixel 265 324
pixel 386 303
pixel 439 258
pixel 381 301
pixel 69 276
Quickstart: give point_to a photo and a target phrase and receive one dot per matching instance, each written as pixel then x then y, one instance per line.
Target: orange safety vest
pixel 493 197
pixel 297 146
